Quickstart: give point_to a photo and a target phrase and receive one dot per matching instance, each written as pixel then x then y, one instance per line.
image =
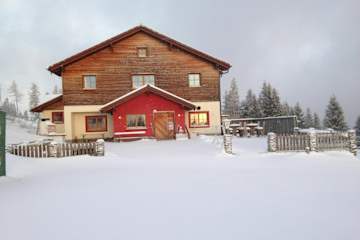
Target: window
pixel 140 80
pixel 96 123
pixel 90 82
pixel 194 79
pixel 142 52
pixel 58 117
pixel 199 119
pixel 135 121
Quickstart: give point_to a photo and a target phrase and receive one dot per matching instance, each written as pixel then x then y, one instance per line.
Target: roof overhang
pixel 108 107
pixel 41 107
pixel 57 68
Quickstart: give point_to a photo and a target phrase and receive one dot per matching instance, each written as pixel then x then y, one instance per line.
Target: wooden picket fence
pixel 44 150
pixel 332 141
pixel 294 142
pixel 306 142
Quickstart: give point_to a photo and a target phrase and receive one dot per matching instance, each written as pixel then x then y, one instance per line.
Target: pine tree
pixel 285 109
pixel 275 101
pixel 309 120
pixel 16 95
pixel 250 107
pixel 334 116
pixel 317 124
pixel 265 100
pixel 34 95
pixel 298 112
pixel 357 126
pixel 232 101
pixel 26 115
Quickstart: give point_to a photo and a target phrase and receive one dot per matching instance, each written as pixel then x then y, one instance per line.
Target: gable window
pixel 142 52
pixel 58 117
pixel 90 82
pixel 96 123
pixel 199 119
pixel 135 121
pixel 194 79
pixel 140 80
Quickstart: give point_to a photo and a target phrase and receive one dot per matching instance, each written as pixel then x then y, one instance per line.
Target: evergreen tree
pixel 275 101
pixel 286 109
pixel 317 124
pixel 232 101
pixel 334 116
pixel 16 95
pixel 250 107
pixel 357 126
pixel 265 100
pixel 26 115
pixel 298 112
pixel 34 95
pixel 309 120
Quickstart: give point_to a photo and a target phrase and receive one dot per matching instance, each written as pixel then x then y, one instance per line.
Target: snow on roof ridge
pixel 142 87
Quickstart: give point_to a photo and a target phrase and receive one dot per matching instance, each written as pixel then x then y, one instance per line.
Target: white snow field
pixel 182 190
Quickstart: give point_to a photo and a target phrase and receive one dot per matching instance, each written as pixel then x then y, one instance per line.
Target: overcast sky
pixel 308 50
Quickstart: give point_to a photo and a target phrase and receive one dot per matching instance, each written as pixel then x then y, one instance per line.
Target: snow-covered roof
pixel 148 87
pixel 48 100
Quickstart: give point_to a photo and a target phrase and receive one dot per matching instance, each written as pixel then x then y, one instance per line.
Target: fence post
pixel 228 143
pixel 100 147
pixel 312 142
pixel 352 142
pixel 53 149
pixel 272 142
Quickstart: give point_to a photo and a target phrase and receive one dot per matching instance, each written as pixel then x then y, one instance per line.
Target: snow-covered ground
pixel 182 190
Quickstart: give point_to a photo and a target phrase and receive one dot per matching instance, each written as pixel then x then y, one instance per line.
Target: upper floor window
pixel 142 52
pixel 140 80
pixel 194 79
pixel 90 82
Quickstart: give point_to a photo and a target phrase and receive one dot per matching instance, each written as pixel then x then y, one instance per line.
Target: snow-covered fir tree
pixel 26 115
pixel 309 120
pixel 269 101
pixel 298 112
pixel 231 99
pixel 286 109
pixel 357 126
pixel 34 95
pixel 16 95
pixel 250 107
pixel 334 116
pixel 317 122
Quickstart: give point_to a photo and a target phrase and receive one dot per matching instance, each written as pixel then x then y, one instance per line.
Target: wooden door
pixel 164 126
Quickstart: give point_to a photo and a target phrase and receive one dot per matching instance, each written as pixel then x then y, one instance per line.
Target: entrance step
pixel 181 136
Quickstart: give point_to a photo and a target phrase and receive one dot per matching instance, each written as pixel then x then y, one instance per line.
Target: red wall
pixel 145 104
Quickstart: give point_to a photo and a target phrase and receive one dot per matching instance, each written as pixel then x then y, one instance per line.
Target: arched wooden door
pixel 164 125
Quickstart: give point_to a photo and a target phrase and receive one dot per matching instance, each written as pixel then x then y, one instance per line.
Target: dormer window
pixel 142 52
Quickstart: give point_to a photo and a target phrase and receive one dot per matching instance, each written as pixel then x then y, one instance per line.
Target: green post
pixel 2 143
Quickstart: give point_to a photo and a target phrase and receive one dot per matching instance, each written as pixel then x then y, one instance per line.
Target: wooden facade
pixel 114 66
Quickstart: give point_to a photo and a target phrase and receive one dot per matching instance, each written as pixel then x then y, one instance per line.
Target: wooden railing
pixel 312 141
pixel 45 150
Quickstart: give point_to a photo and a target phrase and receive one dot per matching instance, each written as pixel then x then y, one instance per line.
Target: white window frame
pixel 194 79
pixel 89 82
pixel 136 120
pixel 142 80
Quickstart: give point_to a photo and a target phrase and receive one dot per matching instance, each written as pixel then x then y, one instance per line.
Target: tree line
pixel 268 104
pixel 10 104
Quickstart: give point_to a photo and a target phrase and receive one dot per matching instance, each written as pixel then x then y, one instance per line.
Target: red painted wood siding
pixel 146 104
